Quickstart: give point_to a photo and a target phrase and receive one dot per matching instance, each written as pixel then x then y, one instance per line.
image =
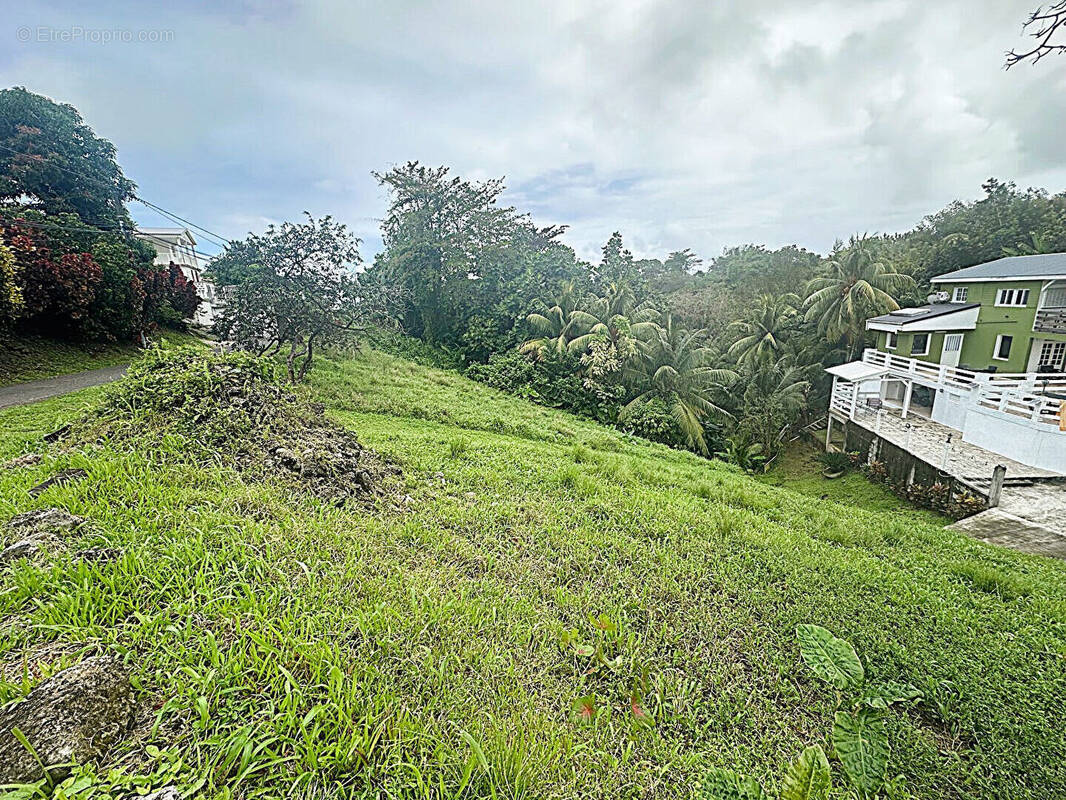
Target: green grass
pixel 28 358
pixel 797 468
pixel 286 648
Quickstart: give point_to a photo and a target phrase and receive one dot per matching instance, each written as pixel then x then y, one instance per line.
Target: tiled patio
pixel 941 446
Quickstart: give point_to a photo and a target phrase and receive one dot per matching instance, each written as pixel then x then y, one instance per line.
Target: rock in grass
pixel 27 460
pixel 34 532
pixel 74 717
pixel 66 476
pixel 100 555
pixel 56 520
pixel 166 793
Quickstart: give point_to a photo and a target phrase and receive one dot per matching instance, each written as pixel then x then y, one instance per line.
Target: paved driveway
pixel 20 394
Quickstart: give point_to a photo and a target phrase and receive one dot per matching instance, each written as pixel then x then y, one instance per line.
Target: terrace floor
pixel 941 446
pixel 1031 516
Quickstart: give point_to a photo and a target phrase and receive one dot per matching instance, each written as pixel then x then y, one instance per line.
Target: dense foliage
pixel 50 158
pixel 69 264
pixel 67 278
pixel 726 359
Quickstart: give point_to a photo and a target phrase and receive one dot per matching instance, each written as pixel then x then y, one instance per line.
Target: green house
pixel 1006 316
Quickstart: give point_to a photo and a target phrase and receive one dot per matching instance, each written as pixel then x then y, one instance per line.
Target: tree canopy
pixel 51 160
pixel 296 287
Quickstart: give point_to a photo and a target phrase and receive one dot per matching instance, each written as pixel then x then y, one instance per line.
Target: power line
pixel 222 241
pixel 94 231
pixel 159 209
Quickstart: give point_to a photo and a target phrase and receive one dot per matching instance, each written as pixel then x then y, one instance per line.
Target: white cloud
pixel 682 124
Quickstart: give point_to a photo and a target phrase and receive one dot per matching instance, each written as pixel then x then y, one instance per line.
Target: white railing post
pixel 1038 407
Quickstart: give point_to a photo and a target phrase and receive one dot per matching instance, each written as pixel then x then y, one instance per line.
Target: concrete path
pixel 997 526
pixel 21 394
pixel 1030 518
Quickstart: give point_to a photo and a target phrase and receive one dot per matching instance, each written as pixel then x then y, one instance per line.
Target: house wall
pixel 905 343
pixel 1045 448
pixel 949 408
pixel 979 344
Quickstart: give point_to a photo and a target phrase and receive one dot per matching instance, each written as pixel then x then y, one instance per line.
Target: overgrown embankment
pixel 485 635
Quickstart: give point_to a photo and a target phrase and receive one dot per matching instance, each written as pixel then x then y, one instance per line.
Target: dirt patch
pixel 232 409
pixel 34 534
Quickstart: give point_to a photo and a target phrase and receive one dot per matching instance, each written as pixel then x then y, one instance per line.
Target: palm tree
pixel 856 286
pixel 763 333
pixel 774 395
pixel 553 322
pixel 672 366
pixel 612 317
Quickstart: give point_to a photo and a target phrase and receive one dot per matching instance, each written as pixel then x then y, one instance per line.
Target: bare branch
pixel 1042 25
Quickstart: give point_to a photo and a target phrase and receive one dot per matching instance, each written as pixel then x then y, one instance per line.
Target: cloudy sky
pixel 688 123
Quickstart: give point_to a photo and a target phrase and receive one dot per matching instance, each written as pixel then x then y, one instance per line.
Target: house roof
pixel 1048 266
pixel 856 371
pixel 167 233
pixel 910 316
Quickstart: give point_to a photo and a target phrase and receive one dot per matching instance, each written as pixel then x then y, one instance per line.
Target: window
pixel 891 340
pixel 1002 351
pixel 1012 297
pixel 960 294
pixel 1051 356
pixel 920 344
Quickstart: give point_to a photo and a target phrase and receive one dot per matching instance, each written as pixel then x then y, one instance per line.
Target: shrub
pixel 653 420
pixel 10 292
pixel 835 461
pixel 57 289
pixel 74 279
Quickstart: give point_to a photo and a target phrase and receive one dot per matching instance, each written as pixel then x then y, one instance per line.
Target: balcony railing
pixel 1050 320
pixel 1037 397
pixel 939 376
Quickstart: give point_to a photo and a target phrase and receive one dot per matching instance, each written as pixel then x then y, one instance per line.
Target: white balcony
pixel 1021 416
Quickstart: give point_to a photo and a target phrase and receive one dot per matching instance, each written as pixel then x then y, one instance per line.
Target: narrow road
pixel 20 394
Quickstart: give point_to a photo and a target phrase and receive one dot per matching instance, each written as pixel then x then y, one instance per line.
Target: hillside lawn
pixel 29 358
pixel 282 647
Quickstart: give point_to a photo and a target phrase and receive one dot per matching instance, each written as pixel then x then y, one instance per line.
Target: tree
pixel 764 331
pixel 296 286
pixel 49 155
pixel 774 393
pixel 616 265
pixel 553 321
pixel 671 365
pixel 1043 24
pixel 855 286
pixel 440 233
pixel 612 318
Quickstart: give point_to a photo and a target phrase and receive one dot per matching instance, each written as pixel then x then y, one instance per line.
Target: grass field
pixel 797 468
pixel 287 648
pixel 28 358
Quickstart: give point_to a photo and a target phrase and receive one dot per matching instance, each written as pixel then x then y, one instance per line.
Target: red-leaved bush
pixel 57 291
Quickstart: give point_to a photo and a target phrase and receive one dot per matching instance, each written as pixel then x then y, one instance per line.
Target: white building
pixel 178 246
